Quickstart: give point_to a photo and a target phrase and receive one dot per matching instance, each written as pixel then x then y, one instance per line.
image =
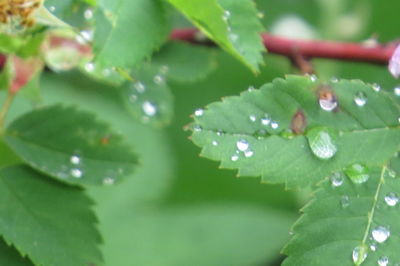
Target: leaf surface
pixel 256 131
pixel 71 146
pixel 51 223
pixel 127 32
pixel 349 224
pixel 233 25
pixel 9 256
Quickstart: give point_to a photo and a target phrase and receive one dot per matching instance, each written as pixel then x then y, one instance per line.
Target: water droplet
pixel 391 173
pixel 85 36
pixel 214 143
pixel 149 108
pixel 75 159
pixel 88 14
pixel 140 87
pixel 360 99
pixel 252 118
pixel 337 179
pixel 383 261
pixel 251 88
pixel 274 125
pixel 199 112
pixel 266 120
pixel 396 91
pixel 242 145
pixel 313 78
pixel 106 72
pixel 108 181
pixel 345 201
pixel 357 173
pixel 328 104
pixel 391 199
pixel 227 15
pixel 334 80
pixel 89 67
pixel 164 69
pixel 159 80
pixel 248 154
pixel 234 158
pixel 376 87
pixel 327 99
pixel 220 133
pixel 233 37
pixel 380 234
pixel 197 128
pixel 322 142
pixel 76 172
pixel 373 247
pixel 133 98
pixel 360 254
pixel 52 8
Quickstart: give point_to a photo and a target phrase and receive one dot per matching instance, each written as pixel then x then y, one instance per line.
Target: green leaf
pixel 184 62
pixel 127 32
pixel 8 157
pixel 71 146
pixel 349 223
pixel 49 222
pixel 9 256
pixel 148 98
pixel 236 29
pixel 260 133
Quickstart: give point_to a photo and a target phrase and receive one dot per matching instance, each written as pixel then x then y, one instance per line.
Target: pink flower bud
pixel 394 63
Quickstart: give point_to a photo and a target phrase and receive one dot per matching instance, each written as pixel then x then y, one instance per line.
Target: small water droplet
pixel 108 181
pixel 391 173
pixel 248 153
pixel 396 91
pixel 220 133
pixel 274 125
pixel 197 128
pixel 357 173
pixel 89 67
pixel 391 199
pixel 140 87
pixel 380 234
pixel 373 247
pixel 199 112
pixel 266 120
pixel 234 158
pixel 133 98
pixel 159 80
pixel 328 104
pixel 383 261
pixel 322 142
pixel 75 159
pixel 334 80
pixel 106 72
pixel 360 254
pixel 251 88
pixel 242 145
pixel 214 143
pixel 253 118
pixel 85 36
pixel 313 78
pixel 149 108
pixel 360 99
pixel 52 8
pixel 345 201
pixel 227 15
pixel 88 14
pixel 376 87
pixel 233 37
pixel 337 179
pixel 76 172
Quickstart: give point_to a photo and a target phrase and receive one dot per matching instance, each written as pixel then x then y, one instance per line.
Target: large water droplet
pixel 199 112
pixel 242 145
pixel 360 99
pixel 391 199
pixel 380 234
pixel 149 108
pixel 76 172
pixel 337 179
pixel 328 104
pixel 357 173
pixel 322 142
pixel 383 261
pixel 360 254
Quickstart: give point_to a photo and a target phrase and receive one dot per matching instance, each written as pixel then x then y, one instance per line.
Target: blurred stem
pixel 4 110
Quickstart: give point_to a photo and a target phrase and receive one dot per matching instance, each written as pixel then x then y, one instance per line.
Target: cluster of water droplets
pixel 265 120
pixel 242 149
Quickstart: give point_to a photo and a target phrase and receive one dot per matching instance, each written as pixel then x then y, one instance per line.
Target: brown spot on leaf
pixel 299 122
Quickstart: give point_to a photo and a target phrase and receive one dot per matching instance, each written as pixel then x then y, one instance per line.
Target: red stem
pixel 377 54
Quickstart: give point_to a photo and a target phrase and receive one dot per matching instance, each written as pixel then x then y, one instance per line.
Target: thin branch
pixel 358 52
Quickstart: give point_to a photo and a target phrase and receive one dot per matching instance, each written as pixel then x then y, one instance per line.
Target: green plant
pixel 94 97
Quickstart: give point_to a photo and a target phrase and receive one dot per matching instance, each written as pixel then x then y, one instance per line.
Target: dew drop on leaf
pixel 376 87
pixel 199 112
pixel 357 173
pixel 140 87
pixel 396 91
pixel 250 89
pixel 337 179
pixel 89 67
pixel 227 15
pixel 334 80
pixel 214 143
pixel 327 99
pixel 197 128
pixel 234 158
pixel 380 234
pixel 108 181
pixel 248 153
pixel 52 8
pixel 242 145
pixel 313 78
pixel 360 254
pixel 88 14
pixel 233 37
pixel 75 159
pixel 76 172
pixel 322 142
pixel 360 99
pixel 274 125
pixel 345 201
pixel 149 108
pixel 391 199
pixel 373 247
pixel 159 80
pixel 383 261
pixel 266 120
pixel 252 118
